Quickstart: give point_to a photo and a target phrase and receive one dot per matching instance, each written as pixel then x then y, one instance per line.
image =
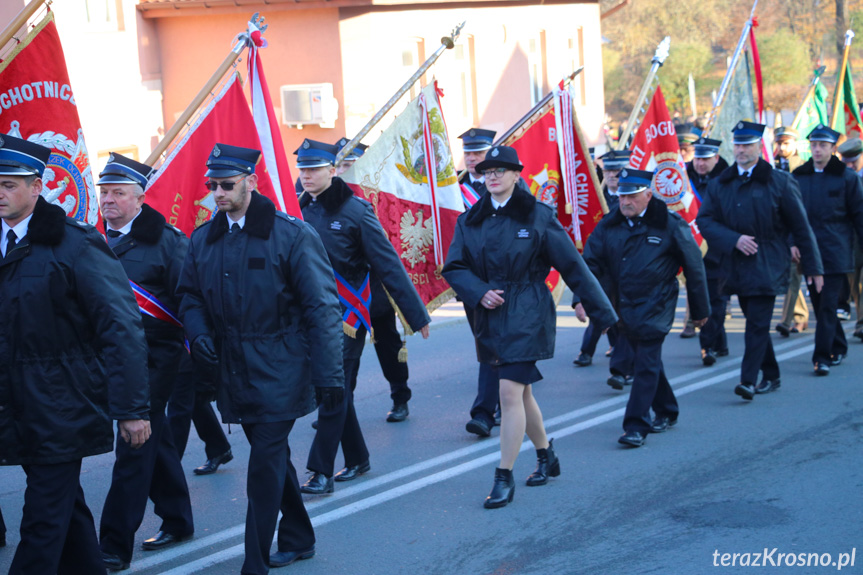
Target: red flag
pixel 655 149
pixel 539 152
pixel 177 189
pixel 37 104
pixel 267 124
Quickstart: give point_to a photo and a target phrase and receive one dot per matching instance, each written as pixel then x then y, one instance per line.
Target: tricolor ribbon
pixel 357 304
pixel 151 306
pixel 431 174
pixel 469 195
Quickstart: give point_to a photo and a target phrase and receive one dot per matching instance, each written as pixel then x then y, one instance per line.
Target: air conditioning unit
pixel 309 104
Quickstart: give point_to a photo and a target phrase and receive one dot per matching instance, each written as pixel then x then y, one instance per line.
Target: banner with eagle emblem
pixel 37 104
pixel 418 213
pixel 655 149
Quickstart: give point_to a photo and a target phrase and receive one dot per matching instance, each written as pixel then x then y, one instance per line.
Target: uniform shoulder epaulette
pixel 288 217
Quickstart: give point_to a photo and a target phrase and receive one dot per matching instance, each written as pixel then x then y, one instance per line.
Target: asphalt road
pixel 781 473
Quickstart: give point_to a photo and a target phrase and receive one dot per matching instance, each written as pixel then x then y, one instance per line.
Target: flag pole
pixel 809 94
pixel 536 109
pixel 656 62
pixel 732 66
pixel 20 20
pixel 447 43
pixel 840 83
pixel 242 43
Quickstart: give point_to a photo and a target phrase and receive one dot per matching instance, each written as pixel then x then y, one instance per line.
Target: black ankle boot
pixel 503 490
pixel 547 465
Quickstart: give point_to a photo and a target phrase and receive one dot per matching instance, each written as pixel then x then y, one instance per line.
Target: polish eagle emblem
pixel 416 236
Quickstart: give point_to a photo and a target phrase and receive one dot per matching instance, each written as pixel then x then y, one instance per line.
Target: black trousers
pixel 622 357
pixel 388 343
pixel 57 530
pixel 650 387
pixel 151 472
pixel 758 352
pixel 487 386
pixel 187 407
pixel 341 425
pixel 829 335
pixel 272 486
pixel 712 334
pixel 591 338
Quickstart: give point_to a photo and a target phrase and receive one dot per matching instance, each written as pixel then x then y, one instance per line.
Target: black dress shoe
pixel 497 416
pixel 859 334
pixel 315 424
pixel 767 385
pixel 163 539
pixel 113 562
pixel 632 439
pixel 318 484
pixel 284 558
pixel 783 330
pixel 837 359
pixel 503 490
pixel 722 352
pixel 822 369
pixel 662 423
pixel 794 329
pixel 609 351
pixel 352 472
pixel 547 465
pixel 479 427
pixel 745 390
pixel 583 360
pixel 616 381
pixel 398 413
pixel 212 465
pixel 708 357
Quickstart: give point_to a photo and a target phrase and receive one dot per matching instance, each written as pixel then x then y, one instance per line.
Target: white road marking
pixel 417 484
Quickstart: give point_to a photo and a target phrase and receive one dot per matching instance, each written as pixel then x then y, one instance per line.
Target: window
pixel 413 55
pixel 536 62
pixel 105 15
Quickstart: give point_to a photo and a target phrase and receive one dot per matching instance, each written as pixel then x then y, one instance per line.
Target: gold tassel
pixel 349 330
pixel 403 352
pixel 372 337
pixel 569 208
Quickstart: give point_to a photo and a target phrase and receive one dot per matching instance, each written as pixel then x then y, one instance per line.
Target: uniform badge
pixel 473 133
pixel 111 159
pixel 654 240
pixel 495 153
pixel 523 233
pixel 740 125
pixel 216 151
pixel 306 145
pixel 336 225
pixel 624 173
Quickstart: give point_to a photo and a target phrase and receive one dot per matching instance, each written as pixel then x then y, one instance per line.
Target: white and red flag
pixel 37 104
pixel 177 189
pixel 417 212
pixel 655 149
pixel 267 124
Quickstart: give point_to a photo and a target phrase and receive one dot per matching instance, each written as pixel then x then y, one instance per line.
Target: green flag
pixel 812 113
pixel 848 119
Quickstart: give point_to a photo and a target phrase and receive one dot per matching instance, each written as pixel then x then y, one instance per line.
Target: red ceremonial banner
pixel 38 105
pixel 419 218
pixel 655 149
pixel 537 149
pixel 177 190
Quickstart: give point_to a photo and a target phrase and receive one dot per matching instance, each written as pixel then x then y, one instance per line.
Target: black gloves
pixel 330 397
pixel 204 351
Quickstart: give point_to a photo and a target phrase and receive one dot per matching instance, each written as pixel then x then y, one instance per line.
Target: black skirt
pixel 520 372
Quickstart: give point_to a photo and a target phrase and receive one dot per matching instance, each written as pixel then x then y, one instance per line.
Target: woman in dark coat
pixel 501 253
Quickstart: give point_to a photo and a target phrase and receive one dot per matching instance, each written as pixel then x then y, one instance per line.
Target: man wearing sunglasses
pixel 260 309
pixel 152 253
pixel 357 246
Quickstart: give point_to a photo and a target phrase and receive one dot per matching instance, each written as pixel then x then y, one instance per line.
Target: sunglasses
pixel 227 186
